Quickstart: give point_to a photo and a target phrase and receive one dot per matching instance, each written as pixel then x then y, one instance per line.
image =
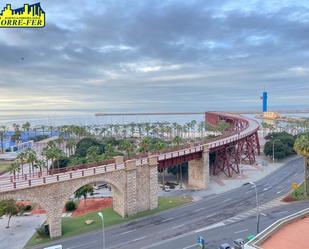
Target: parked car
pixel 239 243
pixel 225 246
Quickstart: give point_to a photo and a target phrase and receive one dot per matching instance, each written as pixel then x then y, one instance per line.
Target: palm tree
pixel 70 145
pixel 22 158
pixel 126 146
pixel 301 146
pixel 26 127
pixel 93 154
pixel 144 145
pixel 17 135
pixel 14 167
pixel 31 158
pixel 3 135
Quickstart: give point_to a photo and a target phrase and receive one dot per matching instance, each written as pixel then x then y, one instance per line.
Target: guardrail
pixel 266 233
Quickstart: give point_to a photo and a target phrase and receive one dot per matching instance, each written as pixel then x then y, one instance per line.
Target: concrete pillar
pixel 153 181
pixel 119 196
pixel 198 171
pixel 54 210
pixel 130 187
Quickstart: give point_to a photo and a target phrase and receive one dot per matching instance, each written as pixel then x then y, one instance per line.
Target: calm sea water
pixel 57 118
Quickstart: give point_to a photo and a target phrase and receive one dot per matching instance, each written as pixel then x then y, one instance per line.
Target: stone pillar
pixel 130 187
pixel 199 171
pixel 54 210
pixel 153 181
pixel 119 195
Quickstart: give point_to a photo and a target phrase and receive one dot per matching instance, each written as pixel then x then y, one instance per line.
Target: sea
pixel 84 118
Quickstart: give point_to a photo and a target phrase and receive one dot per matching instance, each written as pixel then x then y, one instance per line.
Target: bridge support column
pixel 54 221
pixel 153 182
pixel 130 188
pixel 198 171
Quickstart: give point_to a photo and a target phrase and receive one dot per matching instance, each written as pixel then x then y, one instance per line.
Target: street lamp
pixel 102 218
pixel 273 148
pixel 257 206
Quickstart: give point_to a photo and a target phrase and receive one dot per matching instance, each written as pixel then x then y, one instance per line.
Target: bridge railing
pixel 47 179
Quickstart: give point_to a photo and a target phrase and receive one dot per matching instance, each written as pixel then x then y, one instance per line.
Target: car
pixel 54 247
pixel 225 246
pixel 239 243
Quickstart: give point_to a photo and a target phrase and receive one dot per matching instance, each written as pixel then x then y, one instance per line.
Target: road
pixel 177 228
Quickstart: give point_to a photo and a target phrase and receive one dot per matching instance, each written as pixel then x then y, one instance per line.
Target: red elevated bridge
pixel 239 144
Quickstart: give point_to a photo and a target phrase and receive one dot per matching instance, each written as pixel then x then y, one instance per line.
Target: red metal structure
pixel 227 157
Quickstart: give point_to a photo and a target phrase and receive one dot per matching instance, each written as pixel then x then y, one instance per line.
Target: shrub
pixel 70 206
pixel 27 208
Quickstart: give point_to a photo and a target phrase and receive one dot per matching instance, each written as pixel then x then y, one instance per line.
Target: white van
pixel 54 247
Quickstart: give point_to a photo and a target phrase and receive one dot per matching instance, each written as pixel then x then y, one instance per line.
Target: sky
pixel 150 55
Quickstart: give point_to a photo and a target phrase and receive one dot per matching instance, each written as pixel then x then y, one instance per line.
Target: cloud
pixel 128 55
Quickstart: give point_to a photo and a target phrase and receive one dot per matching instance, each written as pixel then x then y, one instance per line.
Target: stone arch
pixel 117 180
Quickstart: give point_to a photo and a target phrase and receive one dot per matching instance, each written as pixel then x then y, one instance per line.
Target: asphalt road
pixel 214 216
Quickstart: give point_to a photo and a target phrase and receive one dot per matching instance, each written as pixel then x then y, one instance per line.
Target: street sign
pixel 294 185
pixel 201 242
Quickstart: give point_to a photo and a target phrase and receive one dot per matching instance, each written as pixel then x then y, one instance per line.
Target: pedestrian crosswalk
pixel 274 203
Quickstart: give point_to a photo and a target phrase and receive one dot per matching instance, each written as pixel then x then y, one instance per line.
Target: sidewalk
pixel 221 183
pixel 21 229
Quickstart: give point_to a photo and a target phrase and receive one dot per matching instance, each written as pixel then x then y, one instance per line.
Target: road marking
pixel 279 192
pixel 167 220
pixel 219 224
pixel 128 231
pixel 283 212
pixel 263 214
pixel 190 246
pixel 140 238
pixel 175 227
pixel 241 231
pixel 197 210
pixel 208 216
pixel 226 200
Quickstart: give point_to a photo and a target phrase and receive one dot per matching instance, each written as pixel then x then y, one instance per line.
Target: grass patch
pixel 4 166
pixel 298 194
pixel 76 225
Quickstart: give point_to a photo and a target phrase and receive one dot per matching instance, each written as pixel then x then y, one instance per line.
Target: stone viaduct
pixel 134 188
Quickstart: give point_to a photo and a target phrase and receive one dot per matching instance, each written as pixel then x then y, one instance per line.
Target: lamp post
pixel 273 148
pixel 257 206
pixel 102 218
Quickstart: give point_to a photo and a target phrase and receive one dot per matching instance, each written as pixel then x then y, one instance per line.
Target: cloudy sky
pixel 150 55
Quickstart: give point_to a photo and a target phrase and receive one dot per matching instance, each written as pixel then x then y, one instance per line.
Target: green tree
pixel 14 167
pixel 26 127
pixel 144 145
pixel 31 157
pixel 3 135
pixel 10 208
pixel 127 146
pixel 84 144
pixel 84 191
pixel 301 146
pixel 93 154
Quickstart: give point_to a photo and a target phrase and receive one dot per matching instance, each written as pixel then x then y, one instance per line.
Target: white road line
pixel 219 224
pixel 283 212
pixel 190 246
pixel 175 227
pixel 140 238
pixel 263 214
pixel 279 192
pixel 226 200
pixel 200 209
pixel 167 220
pixel 130 231
pixel 241 231
pixel 208 216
